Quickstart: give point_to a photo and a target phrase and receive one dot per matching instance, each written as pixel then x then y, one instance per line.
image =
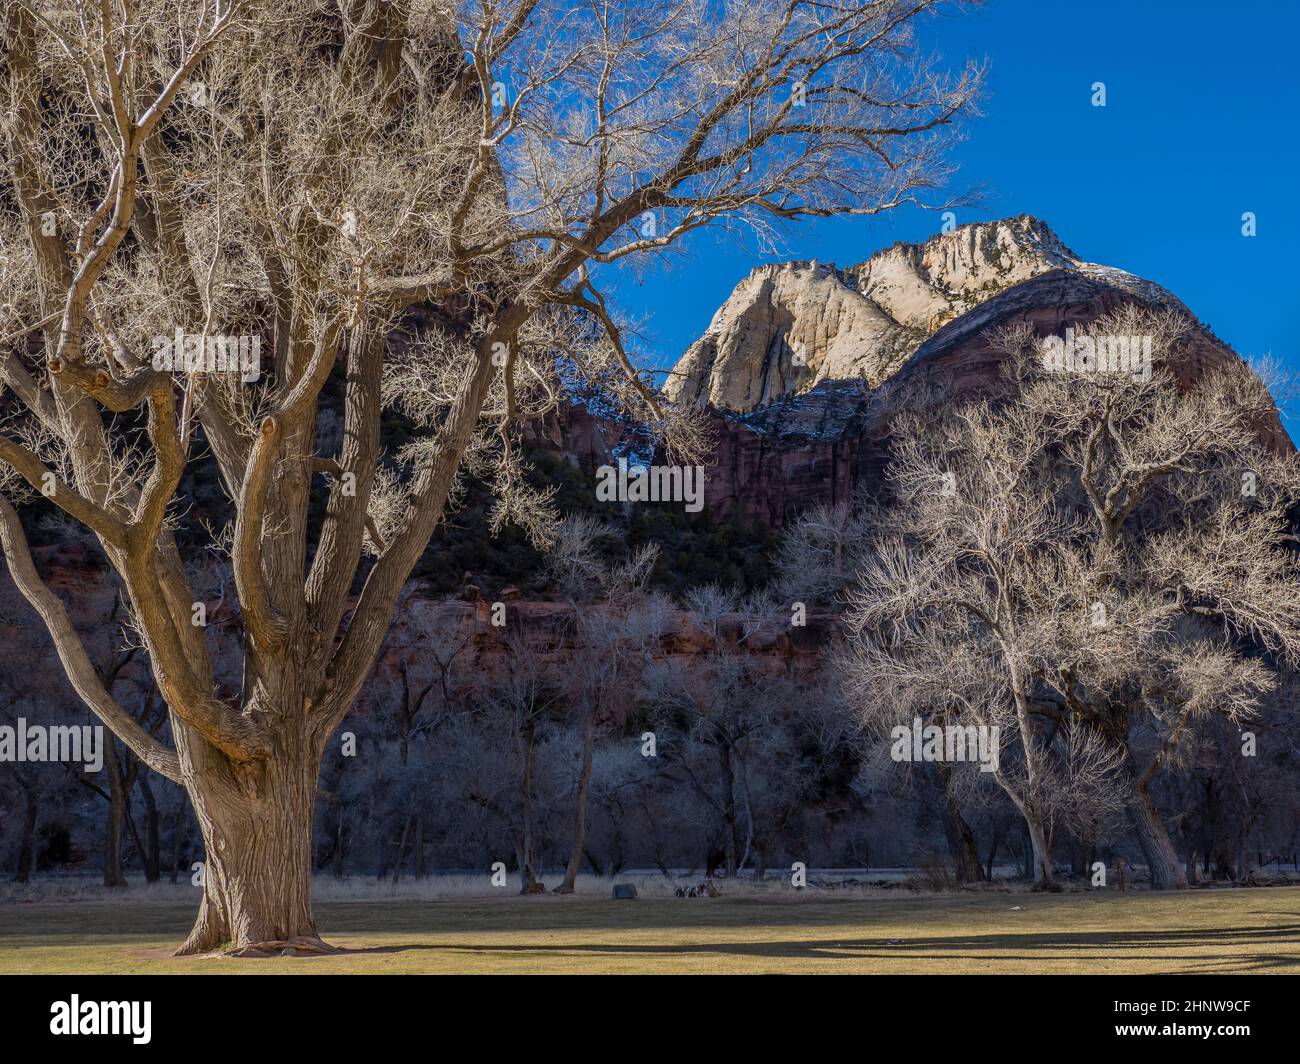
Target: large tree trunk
pixel 580 817
pixel 1041 868
pixel 256 825
pixel 1167 872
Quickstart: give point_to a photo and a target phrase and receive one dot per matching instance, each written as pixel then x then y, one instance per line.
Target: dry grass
pixel 89 889
pixel 1250 930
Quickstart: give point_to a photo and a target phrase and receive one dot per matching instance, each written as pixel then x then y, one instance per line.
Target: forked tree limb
pixel 331 467
pixel 66 498
pixel 338 552
pixel 267 625
pixel 356 653
pixel 31 393
pixel 72 652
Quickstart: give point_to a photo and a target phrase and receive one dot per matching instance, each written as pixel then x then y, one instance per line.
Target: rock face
pixel 787 328
pixel 790 436
pixel 550 629
pixel 784 329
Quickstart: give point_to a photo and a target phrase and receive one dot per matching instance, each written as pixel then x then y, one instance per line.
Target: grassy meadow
pixel 1202 931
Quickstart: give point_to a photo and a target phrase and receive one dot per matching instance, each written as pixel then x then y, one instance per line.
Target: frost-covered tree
pixel 417 201
pixel 1083 554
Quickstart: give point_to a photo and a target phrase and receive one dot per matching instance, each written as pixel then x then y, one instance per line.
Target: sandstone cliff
pixel 790 436
pixel 787 328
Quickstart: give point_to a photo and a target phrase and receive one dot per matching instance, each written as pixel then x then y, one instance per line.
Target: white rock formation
pixel 786 328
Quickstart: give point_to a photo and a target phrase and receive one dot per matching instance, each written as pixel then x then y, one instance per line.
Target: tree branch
pixel 72 653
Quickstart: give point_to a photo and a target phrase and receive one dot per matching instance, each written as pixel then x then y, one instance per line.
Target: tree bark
pixel 1041 868
pixel 1167 872
pixel 1038 852
pixel 256 826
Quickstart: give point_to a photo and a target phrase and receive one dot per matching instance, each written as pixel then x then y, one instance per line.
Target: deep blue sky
pixel 1200 125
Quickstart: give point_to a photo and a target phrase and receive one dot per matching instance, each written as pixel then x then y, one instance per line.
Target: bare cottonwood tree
pixel 415 199
pixel 717 704
pixel 616 625
pixel 821 552
pixel 1082 553
pixel 522 706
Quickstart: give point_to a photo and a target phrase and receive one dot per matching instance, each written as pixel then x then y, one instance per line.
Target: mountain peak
pixel 789 326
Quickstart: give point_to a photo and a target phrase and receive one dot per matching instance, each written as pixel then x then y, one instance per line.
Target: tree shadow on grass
pixel 1266 949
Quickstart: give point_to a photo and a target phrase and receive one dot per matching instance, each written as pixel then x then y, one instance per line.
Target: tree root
pixel 296 946
pixel 209 932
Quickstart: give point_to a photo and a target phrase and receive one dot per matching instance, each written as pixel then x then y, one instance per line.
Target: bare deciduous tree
pixel 616 641
pixel 184 177
pixel 1084 553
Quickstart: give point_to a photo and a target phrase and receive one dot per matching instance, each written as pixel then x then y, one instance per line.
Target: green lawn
pixel 1255 930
